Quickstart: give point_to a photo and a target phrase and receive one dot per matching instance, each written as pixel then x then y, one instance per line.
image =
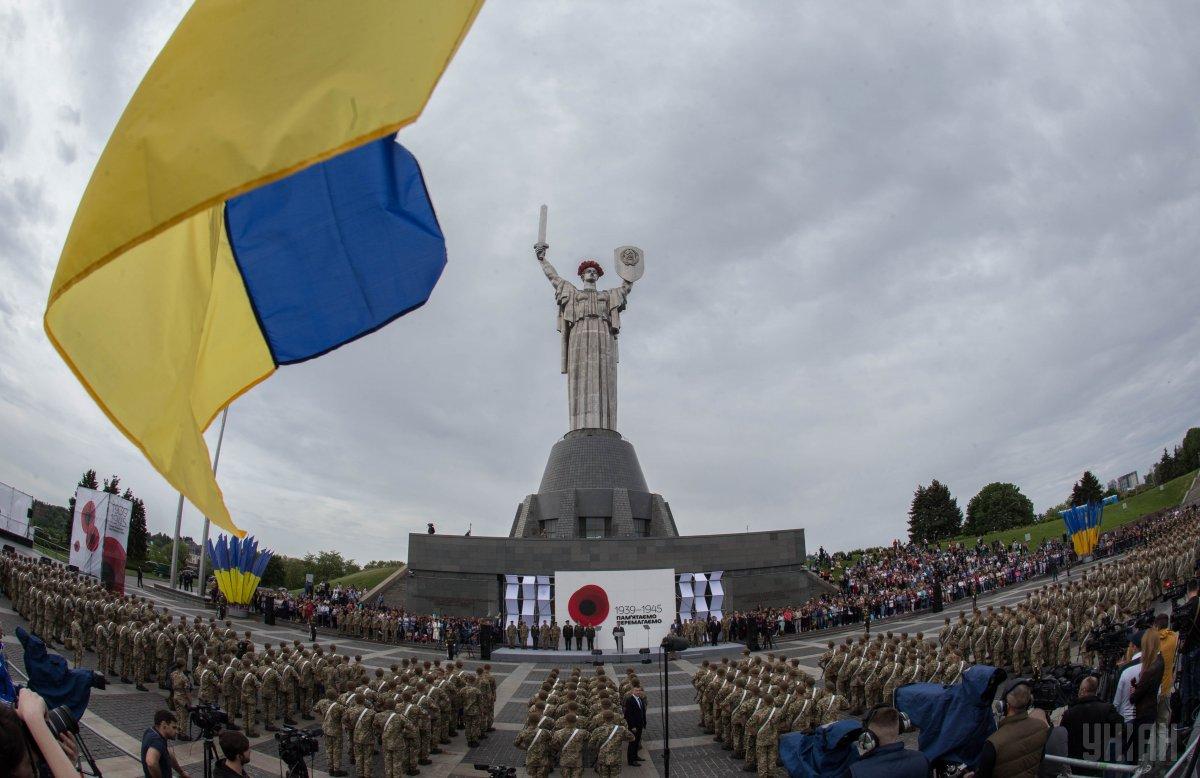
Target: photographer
pixel 157 759
pixel 16 756
pixel 236 748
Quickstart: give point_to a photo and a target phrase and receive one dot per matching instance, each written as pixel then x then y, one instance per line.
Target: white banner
pixel 641 601
pixel 14 510
pixel 99 534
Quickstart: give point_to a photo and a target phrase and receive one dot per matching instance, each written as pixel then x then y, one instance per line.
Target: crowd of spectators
pixel 905 578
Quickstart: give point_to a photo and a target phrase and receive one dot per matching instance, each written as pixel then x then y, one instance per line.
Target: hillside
pixel 1168 495
pixel 364 579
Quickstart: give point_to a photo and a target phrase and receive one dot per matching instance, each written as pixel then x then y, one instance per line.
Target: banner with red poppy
pixel 641 601
pixel 99 534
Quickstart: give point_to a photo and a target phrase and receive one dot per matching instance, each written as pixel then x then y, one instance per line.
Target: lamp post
pixel 670 643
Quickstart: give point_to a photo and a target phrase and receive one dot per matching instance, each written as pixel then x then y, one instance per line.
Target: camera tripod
pixel 210 752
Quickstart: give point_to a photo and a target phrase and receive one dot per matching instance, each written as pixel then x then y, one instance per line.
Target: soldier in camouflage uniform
pixel 331 711
pixel 610 746
pixel 538 745
pixel 181 696
pixel 248 686
pixel 472 713
pixel 569 743
pixel 76 640
pixel 395 744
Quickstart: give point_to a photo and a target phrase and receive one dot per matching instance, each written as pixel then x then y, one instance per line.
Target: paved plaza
pixel 118 715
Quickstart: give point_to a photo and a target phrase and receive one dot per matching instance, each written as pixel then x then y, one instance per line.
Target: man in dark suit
pixel 568 633
pixel 635 719
pixel 590 634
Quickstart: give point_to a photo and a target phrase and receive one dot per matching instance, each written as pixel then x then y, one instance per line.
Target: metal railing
pixel 1108 767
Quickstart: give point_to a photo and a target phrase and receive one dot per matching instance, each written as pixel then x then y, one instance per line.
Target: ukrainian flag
pixel 251 210
pixel 1083 525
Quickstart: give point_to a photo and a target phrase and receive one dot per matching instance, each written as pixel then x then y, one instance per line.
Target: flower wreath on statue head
pixel 593 264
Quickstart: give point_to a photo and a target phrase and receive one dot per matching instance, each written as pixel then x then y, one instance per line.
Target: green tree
pixel 1087 490
pixel 375 563
pixel 327 565
pixel 276 572
pixel 88 481
pixel 934 514
pixel 998 506
pixel 112 485
pixel 138 534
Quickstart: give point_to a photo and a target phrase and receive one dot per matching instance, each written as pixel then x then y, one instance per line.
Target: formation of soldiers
pixel 405 713
pixel 863 672
pixel 747 704
pixel 1044 630
pixel 576 721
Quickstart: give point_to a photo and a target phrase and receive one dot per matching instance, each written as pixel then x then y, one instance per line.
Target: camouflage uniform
pixel 181 697
pixel 569 744
pixel 538 745
pixel 609 744
pixel 77 640
pixel 395 744
pixel 767 742
pixel 248 690
pixel 472 711
pixel 357 721
pixel 331 724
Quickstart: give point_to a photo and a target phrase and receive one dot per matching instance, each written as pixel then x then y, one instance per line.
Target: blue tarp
pixel 8 692
pixel 826 753
pixel 954 720
pixel 53 679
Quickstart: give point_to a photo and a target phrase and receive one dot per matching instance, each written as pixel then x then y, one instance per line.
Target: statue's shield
pixel 630 261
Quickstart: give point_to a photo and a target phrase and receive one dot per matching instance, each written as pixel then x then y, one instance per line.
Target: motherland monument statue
pixel 589 320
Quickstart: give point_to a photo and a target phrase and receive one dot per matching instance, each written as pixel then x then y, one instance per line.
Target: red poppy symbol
pixel 588 605
pixel 87 519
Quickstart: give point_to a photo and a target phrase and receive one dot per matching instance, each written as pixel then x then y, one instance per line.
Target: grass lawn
pixel 1170 494
pixel 366 579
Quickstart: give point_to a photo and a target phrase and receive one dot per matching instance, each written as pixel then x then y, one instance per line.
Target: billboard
pixel 641 601
pixel 99 536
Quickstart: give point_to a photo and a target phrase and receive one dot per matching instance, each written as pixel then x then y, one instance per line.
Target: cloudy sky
pixel 885 243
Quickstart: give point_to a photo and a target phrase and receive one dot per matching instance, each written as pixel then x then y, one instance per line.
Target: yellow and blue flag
pixel 1083 525
pixel 238 566
pixel 251 210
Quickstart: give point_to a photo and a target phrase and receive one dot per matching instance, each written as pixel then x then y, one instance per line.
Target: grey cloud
pixel 886 243
pixel 66 151
pixel 69 114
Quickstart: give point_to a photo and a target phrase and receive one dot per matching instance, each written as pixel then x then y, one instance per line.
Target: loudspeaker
pixel 674 644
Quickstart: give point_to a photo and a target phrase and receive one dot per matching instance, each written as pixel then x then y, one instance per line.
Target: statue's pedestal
pixel 593 487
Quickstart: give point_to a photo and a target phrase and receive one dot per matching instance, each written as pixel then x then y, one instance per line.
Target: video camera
pixel 497 770
pixel 208 718
pixel 1110 638
pixel 296 744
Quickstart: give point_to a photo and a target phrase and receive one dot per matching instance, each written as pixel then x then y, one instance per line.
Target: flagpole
pixel 179 518
pixel 175 544
pixel 204 537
